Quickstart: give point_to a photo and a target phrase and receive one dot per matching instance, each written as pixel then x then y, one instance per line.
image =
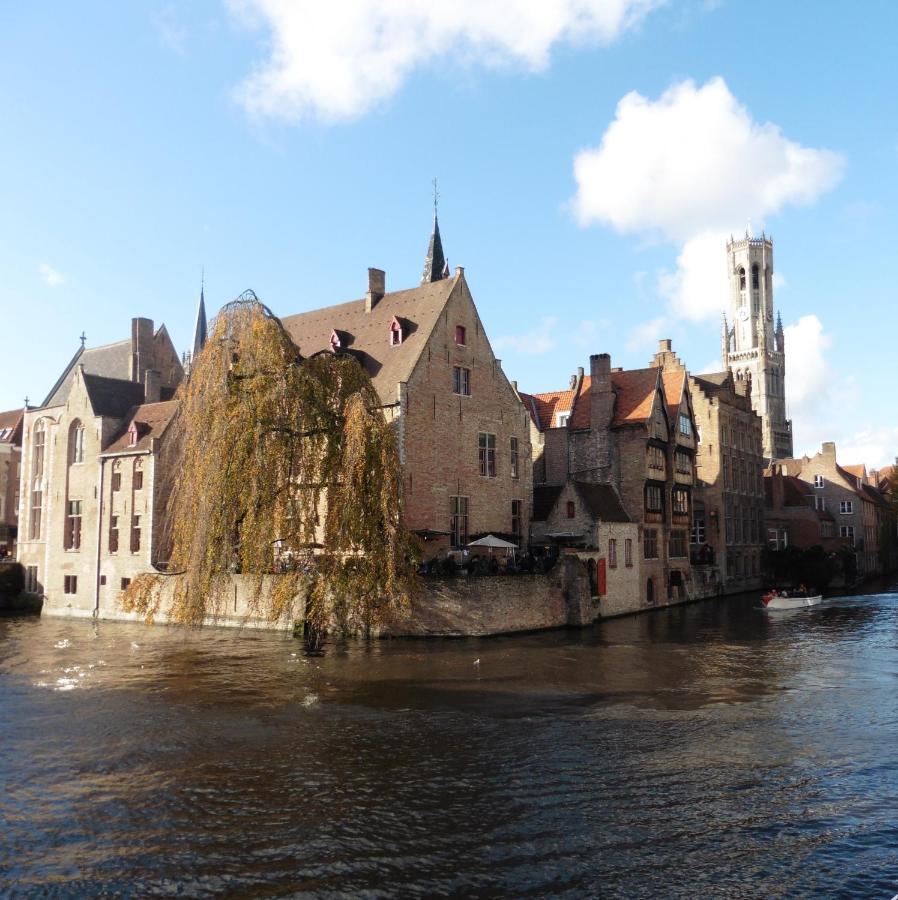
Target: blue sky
pixel 287 146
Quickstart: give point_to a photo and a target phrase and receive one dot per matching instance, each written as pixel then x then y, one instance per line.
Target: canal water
pixel 714 750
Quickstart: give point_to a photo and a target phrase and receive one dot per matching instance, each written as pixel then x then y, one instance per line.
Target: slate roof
pixel 112 396
pixel 151 419
pixel 544 498
pixel 602 501
pixel 435 261
pixel 110 361
pixel 11 426
pixel 368 334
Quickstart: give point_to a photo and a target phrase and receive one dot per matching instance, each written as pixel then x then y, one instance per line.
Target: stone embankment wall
pixel 499 604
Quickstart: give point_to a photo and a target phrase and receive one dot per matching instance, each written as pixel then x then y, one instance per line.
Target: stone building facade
pixel 10 464
pixel 72 477
pixel 751 347
pixel 464 436
pixel 633 430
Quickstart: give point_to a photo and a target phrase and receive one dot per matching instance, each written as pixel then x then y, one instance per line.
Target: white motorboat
pixel 773 600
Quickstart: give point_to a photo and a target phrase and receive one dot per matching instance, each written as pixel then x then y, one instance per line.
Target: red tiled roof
pixel 634 393
pixel 11 423
pixel 859 471
pixel 674 384
pixel 548 404
pixel 151 419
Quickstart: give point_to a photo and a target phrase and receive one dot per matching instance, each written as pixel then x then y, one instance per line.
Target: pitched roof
pixel 544 497
pixel 674 385
pixel 369 333
pixel 859 470
pixel 634 393
pixel 112 396
pixel 601 501
pixel 543 407
pixel 11 426
pixel 151 420
pixel 110 361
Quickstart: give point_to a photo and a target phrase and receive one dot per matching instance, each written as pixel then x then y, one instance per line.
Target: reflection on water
pixel 710 750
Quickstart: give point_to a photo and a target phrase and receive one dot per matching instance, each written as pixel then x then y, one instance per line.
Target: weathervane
pixel 436 197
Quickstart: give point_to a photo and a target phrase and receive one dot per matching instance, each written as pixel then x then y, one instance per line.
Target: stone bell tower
pixel 753 349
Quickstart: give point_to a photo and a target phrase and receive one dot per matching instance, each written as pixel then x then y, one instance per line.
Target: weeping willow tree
pixel 279 464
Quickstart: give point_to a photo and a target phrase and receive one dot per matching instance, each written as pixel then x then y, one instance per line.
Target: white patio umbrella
pixel 494 543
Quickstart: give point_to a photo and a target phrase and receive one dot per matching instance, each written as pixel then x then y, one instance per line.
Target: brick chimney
pixel 152 386
pixel 141 348
pixel 829 450
pixel 377 280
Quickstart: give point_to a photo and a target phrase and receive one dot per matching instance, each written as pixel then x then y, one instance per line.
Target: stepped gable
pixel 109 361
pixel 112 396
pixel 151 419
pixel 368 333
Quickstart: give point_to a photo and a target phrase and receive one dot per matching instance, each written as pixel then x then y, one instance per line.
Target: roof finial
pixel 83 339
pixel 435 261
pixel 199 326
pixel 27 401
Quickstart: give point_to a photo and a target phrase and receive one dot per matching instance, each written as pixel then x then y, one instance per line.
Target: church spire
pixel 199 328
pixel 435 266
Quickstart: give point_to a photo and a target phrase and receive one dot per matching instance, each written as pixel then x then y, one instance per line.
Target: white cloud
pixel 50 276
pixel 876 447
pixel 538 340
pixel 647 334
pixel 692 168
pixel 171 31
pixel 337 60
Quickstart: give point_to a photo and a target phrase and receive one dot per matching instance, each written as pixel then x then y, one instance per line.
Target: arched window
pixel 395 332
pixel 76 442
pixel 741 278
pixel 38 446
pixel 137 480
pixel 571 509
pixel 116 476
pixel 755 278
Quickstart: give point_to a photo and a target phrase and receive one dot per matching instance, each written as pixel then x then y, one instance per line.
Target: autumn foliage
pixel 285 465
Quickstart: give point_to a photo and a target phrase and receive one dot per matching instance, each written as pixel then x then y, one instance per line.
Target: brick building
pixel 727 536
pixel 857 508
pixel 464 438
pixel 793 519
pixel 633 430
pixel 10 463
pixel 87 491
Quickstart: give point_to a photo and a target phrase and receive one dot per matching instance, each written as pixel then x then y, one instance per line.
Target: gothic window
pixel 612 553
pixel 117 475
pixel 396 334
pixel 135 534
pixel 76 442
pixel 571 509
pixel 741 278
pixel 38 444
pixel 137 483
pixel 113 534
pixel 755 278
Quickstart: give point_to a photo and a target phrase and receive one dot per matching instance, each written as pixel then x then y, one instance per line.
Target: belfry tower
pixel 752 348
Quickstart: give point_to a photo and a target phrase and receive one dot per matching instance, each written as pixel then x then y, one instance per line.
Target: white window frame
pixel 846 507
pixel 819 481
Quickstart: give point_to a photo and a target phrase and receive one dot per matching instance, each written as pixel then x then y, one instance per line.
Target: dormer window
pixel 132 434
pixel 396 334
pixel 336 343
pixel 561 419
pixel 460 335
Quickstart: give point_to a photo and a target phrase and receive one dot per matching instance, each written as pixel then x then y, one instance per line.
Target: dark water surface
pixel 710 750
